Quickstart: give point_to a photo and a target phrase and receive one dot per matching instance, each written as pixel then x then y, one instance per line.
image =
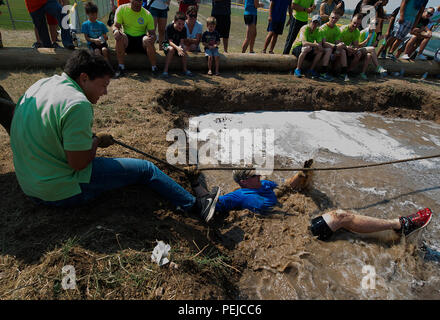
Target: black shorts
pixel 276 27
pixel 250 19
pixel 320 228
pixel 223 25
pixel 95 46
pixel 135 44
pixel 297 51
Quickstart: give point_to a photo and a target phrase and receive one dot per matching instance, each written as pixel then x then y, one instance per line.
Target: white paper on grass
pixel 160 253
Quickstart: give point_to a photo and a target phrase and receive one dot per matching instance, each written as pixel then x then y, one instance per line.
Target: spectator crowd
pixel 314 34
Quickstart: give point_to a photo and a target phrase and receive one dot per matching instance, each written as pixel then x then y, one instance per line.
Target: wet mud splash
pixel 284 261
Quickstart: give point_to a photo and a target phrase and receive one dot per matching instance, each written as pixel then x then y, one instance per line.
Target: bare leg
pixel 253 36
pixel 267 41
pixel 120 46
pixel 151 51
pixel 302 56
pixel 273 42
pixel 170 55
pixel 105 53
pixel 247 39
pixel 210 64
pixel 162 23
pixel 225 44
pixel 338 219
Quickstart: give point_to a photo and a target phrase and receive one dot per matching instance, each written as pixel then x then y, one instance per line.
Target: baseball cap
pixel 316 17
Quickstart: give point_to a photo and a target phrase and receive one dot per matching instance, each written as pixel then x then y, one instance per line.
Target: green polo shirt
pixel 135 24
pixel 52 116
pixel 331 35
pixel 347 36
pixel 306 34
pixel 303 15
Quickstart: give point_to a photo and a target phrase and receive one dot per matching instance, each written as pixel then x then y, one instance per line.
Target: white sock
pixel 153 68
pixel 122 66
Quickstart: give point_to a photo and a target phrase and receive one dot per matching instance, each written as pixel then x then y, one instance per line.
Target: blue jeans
pixel 53 8
pixel 113 173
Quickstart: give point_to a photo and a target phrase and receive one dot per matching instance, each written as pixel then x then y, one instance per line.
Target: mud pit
pixel 115 234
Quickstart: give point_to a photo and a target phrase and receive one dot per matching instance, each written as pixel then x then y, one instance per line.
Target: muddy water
pixel 285 261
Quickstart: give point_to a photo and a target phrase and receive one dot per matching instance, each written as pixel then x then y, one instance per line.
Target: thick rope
pixel 184 170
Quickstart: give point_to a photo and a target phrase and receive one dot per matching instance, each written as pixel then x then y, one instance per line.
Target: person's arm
pixel 363 43
pixel 92 40
pixel 79 160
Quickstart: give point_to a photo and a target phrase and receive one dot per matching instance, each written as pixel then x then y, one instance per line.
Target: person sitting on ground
pixel 58 167
pixel 308 45
pixel 159 10
pixel 38 10
pixel 328 6
pixel 175 36
pixel 95 32
pixel 134 32
pixel 382 52
pixel 277 17
pixel 368 42
pixel 211 41
pixel 185 4
pixel 331 34
pixel 250 20
pixel 420 36
pixel 194 29
pixel 407 19
pixel 302 9
pixel 350 37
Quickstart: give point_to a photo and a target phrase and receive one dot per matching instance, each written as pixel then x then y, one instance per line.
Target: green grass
pixel 19 12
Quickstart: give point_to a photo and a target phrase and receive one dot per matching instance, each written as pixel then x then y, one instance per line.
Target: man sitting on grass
pixel 134 32
pixel 308 45
pixel 175 36
pixel 350 37
pixel 331 39
pixel 54 150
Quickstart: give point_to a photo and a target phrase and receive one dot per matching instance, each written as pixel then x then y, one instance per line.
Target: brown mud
pixel 109 241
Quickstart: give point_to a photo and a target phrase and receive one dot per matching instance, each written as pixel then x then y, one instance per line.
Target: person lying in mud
pixel 54 150
pixel 260 197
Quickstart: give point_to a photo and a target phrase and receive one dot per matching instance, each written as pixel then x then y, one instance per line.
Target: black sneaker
pixel 415 221
pixel 155 71
pixel 207 204
pixel 119 72
pixel 55 45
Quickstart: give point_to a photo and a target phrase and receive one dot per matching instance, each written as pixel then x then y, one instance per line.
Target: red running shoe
pixel 415 221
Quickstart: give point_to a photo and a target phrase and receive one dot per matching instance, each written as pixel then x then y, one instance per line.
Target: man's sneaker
pixel 165 75
pixel 363 76
pixel 344 77
pixel 326 77
pixel 298 73
pixel 188 73
pixel 314 74
pixel 392 57
pixel 119 72
pixel 415 221
pixel 207 204
pixel 405 57
pixel 155 71
pixel 421 57
pixel 55 45
pixel 36 45
pixel 381 70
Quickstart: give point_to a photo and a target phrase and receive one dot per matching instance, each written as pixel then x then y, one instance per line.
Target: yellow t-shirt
pixel 135 24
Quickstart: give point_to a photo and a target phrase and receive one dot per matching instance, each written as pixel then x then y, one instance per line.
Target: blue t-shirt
pixel 249 8
pixel 279 10
pixel 94 29
pixel 259 200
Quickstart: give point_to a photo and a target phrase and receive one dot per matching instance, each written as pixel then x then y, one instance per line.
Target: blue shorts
pixel 276 26
pixel 211 53
pixel 158 13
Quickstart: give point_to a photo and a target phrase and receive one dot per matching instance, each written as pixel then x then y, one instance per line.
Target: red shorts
pixel 51 20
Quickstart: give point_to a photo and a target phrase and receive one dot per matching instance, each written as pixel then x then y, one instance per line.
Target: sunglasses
pixel 430 13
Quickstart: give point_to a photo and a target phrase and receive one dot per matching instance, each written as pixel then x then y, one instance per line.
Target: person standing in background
pixel 221 11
